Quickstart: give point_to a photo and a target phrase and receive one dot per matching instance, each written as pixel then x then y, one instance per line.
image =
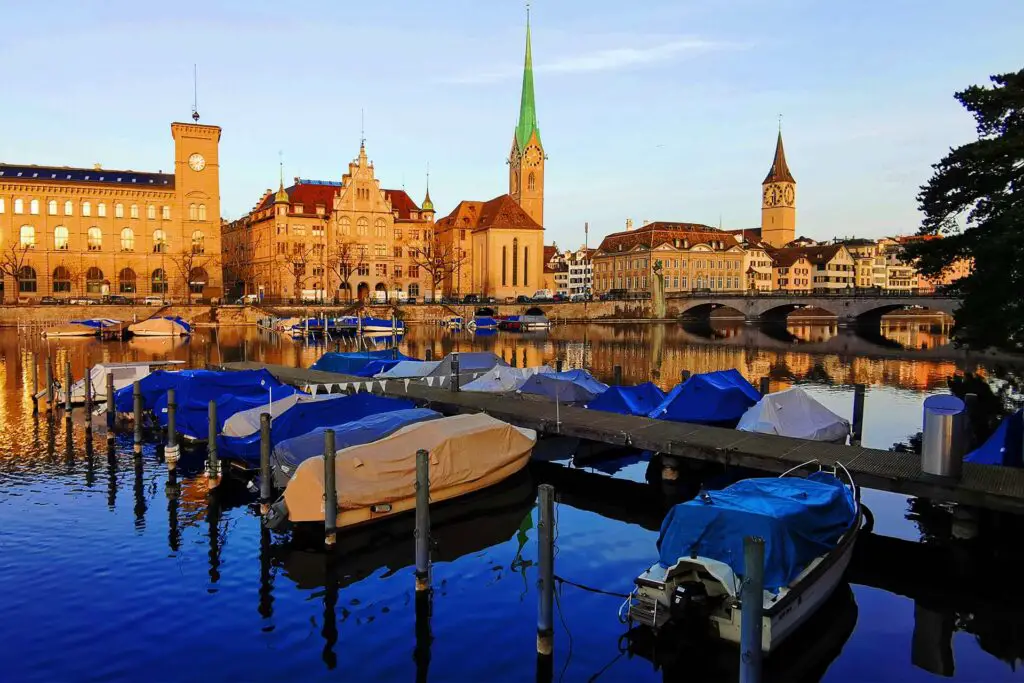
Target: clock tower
pixel 526 159
pixel 778 201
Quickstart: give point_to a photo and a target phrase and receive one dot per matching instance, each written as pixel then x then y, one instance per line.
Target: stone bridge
pixel 771 306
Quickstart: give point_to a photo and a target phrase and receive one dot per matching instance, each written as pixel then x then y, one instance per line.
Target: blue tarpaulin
pixel 155 385
pixel 569 386
pixel 709 398
pixel 799 519
pixel 181 321
pixel 1005 446
pixel 483 322
pixel 290 453
pixel 375 367
pixel 349 363
pixel 307 416
pixel 638 400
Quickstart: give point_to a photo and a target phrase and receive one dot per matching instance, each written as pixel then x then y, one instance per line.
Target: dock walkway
pixel 982 486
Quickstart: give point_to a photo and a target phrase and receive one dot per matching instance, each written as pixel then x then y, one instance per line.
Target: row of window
pixel 95 282
pixel 94 239
pixel 675 282
pixel 515 264
pixel 196 211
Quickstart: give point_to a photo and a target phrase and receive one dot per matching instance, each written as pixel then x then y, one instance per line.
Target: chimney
pixel 629 224
pixel 97 167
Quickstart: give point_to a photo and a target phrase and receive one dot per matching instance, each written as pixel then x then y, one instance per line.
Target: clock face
pixel 789 195
pixel 533 156
pixel 196 162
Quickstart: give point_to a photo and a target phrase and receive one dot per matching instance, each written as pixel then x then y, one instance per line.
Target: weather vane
pixel 195 93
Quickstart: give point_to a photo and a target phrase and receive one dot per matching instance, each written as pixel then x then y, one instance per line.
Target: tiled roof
pixel 815 255
pixel 779 172
pixel 310 193
pixel 402 203
pixel 500 212
pixel 85 175
pixel 655 234
pixel 549 253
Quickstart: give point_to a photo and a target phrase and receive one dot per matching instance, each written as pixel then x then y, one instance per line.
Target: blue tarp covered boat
pixel 375 367
pixel 638 400
pixel 485 322
pixel 714 398
pixel 570 386
pixel 305 417
pixel 156 384
pixel 350 363
pixel 290 453
pixel 1005 446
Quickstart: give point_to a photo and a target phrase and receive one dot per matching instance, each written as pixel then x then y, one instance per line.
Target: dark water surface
pixel 109 571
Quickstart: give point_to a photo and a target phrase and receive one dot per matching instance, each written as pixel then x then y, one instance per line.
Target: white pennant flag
pixel 313 388
pixel 305 388
pixel 430 381
pixel 383 386
pixel 407 386
pixel 442 378
pixel 342 386
pixel 369 386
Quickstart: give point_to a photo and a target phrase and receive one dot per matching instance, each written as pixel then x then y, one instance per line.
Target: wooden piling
pixel 87 380
pixel 859 394
pixel 68 381
pixel 617 375
pixel 558 365
pixel 684 375
pixel 428 354
pixel 752 609
pixel 330 491
pixel 212 461
pixel 35 385
pixel 265 489
pixel 546 561
pixel 49 383
pixel 137 414
pixel 422 533
pixel 111 409
pixel 766 386
pixel 171 449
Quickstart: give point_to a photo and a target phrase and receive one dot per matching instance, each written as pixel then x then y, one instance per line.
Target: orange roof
pixel 815 255
pixel 549 253
pixel 311 194
pixel 655 234
pixel 402 203
pixel 502 212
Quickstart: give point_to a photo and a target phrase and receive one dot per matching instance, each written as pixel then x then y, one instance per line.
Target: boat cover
pixel 409 368
pixel 382 323
pixel 98 323
pixel 500 379
pixel 708 398
pixel 794 413
pixel 376 367
pixel 638 400
pixel 247 422
pixel 464 450
pixel 485 322
pixel 168 326
pixel 351 362
pixel 306 416
pixel 288 454
pixel 1004 446
pixel 799 520
pixel 156 384
pixel 470 363
pixel 569 386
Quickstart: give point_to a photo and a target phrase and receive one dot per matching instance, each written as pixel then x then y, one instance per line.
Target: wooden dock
pixel 981 486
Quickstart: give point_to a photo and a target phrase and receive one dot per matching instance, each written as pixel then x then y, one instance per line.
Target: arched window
pixel 86 208
pixel 202 212
pixel 60 238
pixel 134 211
pixel 94 239
pixel 101 210
pixel 165 213
pixel 380 227
pixel 345 225
pixel 33 207
pixel 198 242
pixel 51 207
pixel 61 279
pixel 69 208
pixel 127 240
pixel 94 281
pixel 414 289
pixel 158 282
pixel 193 212
pixel 515 261
pixel 197 280
pixel 504 264
pixel 526 266
pixel 126 281
pixel 118 210
pixel 159 241
pixel 28 237
pixel 362 226
pixel 19 206
pixel 531 182
pixel 27 280
pixel 151 212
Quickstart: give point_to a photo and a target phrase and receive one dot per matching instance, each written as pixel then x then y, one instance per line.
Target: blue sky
pixel 659 110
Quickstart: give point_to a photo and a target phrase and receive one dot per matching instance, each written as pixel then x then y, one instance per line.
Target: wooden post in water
pixel 422 532
pixel 171 449
pixel 68 381
pixel 752 609
pixel 212 461
pixel 558 365
pixel 428 354
pixel 265 490
pixel 766 386
pixel 859 394
pixel 684 375
pixel 35 385
pixel 455 371
pixel 546 561
pixel 971 408
pixel 330 491
pixel 88 398
pixel 617 375
pixel 49 383
pixel 137 414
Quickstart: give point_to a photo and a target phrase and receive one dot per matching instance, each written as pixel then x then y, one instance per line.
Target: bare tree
pixel 437 257
pixel 239 260
pixel 12 260
pixel 76 275
pixel 188 262
pixel 297 263
pixel 345 257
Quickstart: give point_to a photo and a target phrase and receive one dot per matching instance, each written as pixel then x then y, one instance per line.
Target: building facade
pixel 85 233
pixel 822 267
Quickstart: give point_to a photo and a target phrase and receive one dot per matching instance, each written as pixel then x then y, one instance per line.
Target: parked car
pixel 558 297
pixel 543 295
pixel 49 301
pixel 153 301
pixel 118 300
pixel 579 297
pixel 471 299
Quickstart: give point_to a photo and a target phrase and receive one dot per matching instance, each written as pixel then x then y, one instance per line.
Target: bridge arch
pixel 702 310
pixel 534 310
pixel 780 311
pixel 486 310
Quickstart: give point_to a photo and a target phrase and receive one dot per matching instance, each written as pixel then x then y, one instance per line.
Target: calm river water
pixel 109 571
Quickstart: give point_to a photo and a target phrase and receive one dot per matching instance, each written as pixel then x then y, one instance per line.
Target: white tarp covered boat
pixel 377 480
pixel 501 379
pixel 124 375
pixel 793 412
pixel 409 369
pixel 247 422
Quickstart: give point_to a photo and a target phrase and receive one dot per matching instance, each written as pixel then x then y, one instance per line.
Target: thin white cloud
pixel 601 60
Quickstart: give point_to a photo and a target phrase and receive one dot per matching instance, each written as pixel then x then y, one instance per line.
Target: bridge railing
pixel 811 293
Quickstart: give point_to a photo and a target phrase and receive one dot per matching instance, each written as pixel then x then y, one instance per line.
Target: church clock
pixel 533 156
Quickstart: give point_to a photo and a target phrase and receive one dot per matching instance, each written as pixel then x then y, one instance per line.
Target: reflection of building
pixel 92 231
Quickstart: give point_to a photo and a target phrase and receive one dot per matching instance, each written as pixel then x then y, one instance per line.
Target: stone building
pixel 828 267
pixel 88 232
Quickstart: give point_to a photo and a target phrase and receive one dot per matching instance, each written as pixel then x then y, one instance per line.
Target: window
pixel 317 230
pixel 297 249
pixel 682 282
pixel 27 280
pixel 381 270
pixel 398 252
pixel 414 288
pixel 380 250
pixel 515 261
pixel 51 207
pixel 397 271
pixel 158 282
pixel 166 213
pixel 198 242
pixel 362 226
pixel 133 211
pixel 126 281
pixel 69 208
pixel 531 182
pixel 151 212
pixel 1 204
pixel 19 206
pixel 202 212
pixel 414 234
pixel 101 210
pixel 504 262
pixel 197 280
pixel 414 271
pixel 526 266
pixel 94 281
pixel 398 233
pixel 61 279
pixel 159 241
pixel 94 239
pixel 296 208
pixel 462 234
pixel 33 207
pixel 345 225
pixel 282 248
pixel 720 283
pixel 127 240
pixel 118 210
pixel 60 238
pixel 363 268
pixel 86 208
pixel 28 237
pixel 380 227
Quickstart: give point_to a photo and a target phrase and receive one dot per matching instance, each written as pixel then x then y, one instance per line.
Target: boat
pixel 221 385
pixel 124 375
pixel 453 322
pixel 164 326
pixel 484 322
pixel 472 364
pixel 571 386
pixel 501 379
pixel 382 325
pixel 377 480
pixel 409 369
pixel 81 328
pixel 510 323
pixel 794 413
pixel 1006 445
pixel 809 526
pixel 712 398
pixel 352 362
pixel 534 322
pixel 636 400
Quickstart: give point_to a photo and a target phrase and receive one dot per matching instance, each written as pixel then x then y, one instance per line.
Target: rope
pixel 599 591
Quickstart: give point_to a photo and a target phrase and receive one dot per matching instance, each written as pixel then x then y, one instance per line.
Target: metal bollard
pixel 111 409
pixel 428 354
pixel 212 461
pixel 765 386
pixel 752 609
pixel 35 385
pixel 558 365
pixel 422 533
pixel 971 406
pixel 857 428
pixel 617 375
pixel 265 490
pixel 546 562
pixel 137 414
pixel 942 447
pixel 68 381
pixel 49 383
pixel 684 375
pixel 330 491
pixel 171 449
pixel 455 371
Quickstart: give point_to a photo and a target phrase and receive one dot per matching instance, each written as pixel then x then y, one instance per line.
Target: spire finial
pixel 780 124
pixel 362 127
pixel 527 124
pixel 195 93
pixel 428 205
pixel 280 168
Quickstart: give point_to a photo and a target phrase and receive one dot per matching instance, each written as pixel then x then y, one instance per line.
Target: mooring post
pixel 422 520
pixel 546 578
pixel 617 375
pixel 394 336
pixel 971 408
pixel 137 414
pixel 68 380
pixel 264 463
pixel 558 365
pixel 49 383
pixel 88 398
pixel 752 609
pixel 684 375
pixel 111 410
pixel 212 461
pixel 428 354
pixel 35 384
pixel 171 449
pixel 455 371
pixel 859 394
pixel 330 491
pixel 765 386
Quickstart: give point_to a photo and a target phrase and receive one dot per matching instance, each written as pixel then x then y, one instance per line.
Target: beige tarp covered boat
pixel 376 480
pixel 159 327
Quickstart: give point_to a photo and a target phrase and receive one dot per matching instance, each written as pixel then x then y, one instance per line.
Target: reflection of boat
pixel 124 374
pixel 452 322
pixel 804 657
pixel 809 527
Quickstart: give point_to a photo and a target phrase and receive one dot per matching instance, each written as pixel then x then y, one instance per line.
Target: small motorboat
pixel 124 375
pixel 382 325
pixel 809 526
pixel 483 322
pixel 81 328
pixel 534 322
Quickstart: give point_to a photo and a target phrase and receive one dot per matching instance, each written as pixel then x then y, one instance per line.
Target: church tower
pixel 526 160
pixel 778 201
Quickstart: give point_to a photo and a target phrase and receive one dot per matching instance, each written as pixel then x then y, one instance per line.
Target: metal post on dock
pixel 264 463
pixel 428 354
pixel 942 441
pixel 422 532
pixel 111 409
pixel 752 609
pixel 212 461
pixel 765 386
pixel 137 414
pixel 455 370
pixel 35 385
pixel 330 491
pixel 617 375
pixel 859 394
pixel 546 561
pixel 171 450
pixel 68 381
pixel 49 383
pixel 558 365
pixel 684 375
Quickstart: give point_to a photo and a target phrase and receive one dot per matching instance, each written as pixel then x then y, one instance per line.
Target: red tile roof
pixel 549 253
pixel 309 195
pixel 502 212
pixel 402 203
pixel 814 255
pixel 655 234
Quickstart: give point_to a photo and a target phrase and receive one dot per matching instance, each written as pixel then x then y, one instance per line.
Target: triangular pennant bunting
pixel 383 385
pixel 430 381
pixel 343 386
pixel 369 386
pixel 407 386
pixel 313 390
pixel 441 379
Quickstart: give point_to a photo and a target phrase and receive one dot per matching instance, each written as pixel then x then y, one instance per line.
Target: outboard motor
pixel 690 603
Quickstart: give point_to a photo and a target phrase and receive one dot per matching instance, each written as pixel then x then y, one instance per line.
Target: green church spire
pixel 527 105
